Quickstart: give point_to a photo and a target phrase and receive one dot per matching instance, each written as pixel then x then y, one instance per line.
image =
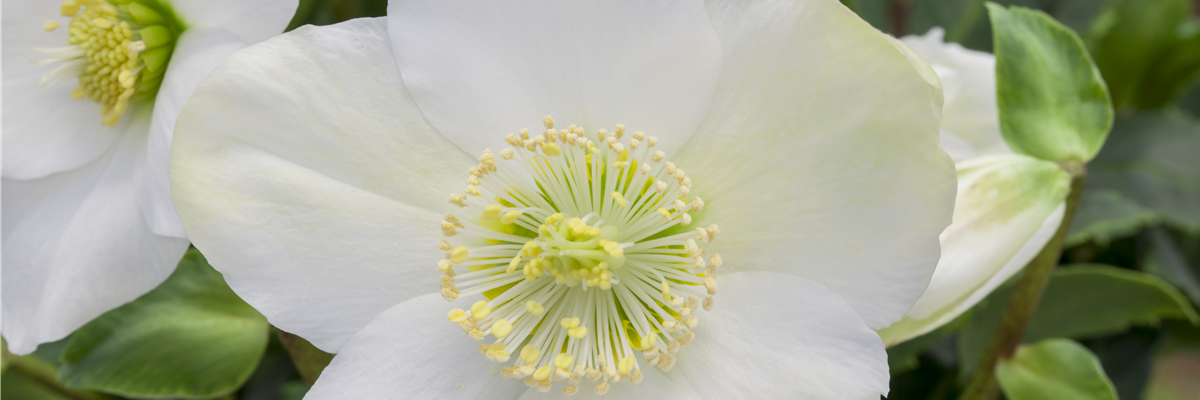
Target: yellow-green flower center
pixel 118 50
pixel 582 267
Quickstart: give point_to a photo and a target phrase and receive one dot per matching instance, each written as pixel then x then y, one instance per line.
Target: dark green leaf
pixel 1053 104
pixel 1131 51
pixel 1167 261
pixel 1080 301
pixel 191 337
pixel 1104 215
pixel 1056 369
pixel 1152 160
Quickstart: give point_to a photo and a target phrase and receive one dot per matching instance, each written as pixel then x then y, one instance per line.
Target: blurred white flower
pixel 1008 205
pixel 313 171
pixel 91 92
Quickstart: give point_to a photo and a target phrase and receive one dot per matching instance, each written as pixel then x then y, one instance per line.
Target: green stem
pixel 1024 300
pixel 309 360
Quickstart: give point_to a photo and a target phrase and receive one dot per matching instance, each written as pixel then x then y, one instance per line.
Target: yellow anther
pixel 68 9
pixel 444 265
pixel 444 245
pixel 492 211
pixel 510 217
pixel 547 121
pixel 577 332
pixel 716 260
pixel 708 303
pixel 102 23
pixel 459 254
pixel 647 342
pixel 625 365
pixel 450 294
pixel 692 322
pixel 512 265
pixel 530 353
pixel 487 158
pixel 50 25
pixel 666 291
pixel 568 323
pixel 544 386
pixel 711 285
pixel 702 235
pixel 602 388
pixel 679 205
pixel 570 390
pixel 480 310
pixel 542 373
pixel 551 149
pixel 685 219
pixel 564 360
pixel 501 328
pixel 635 377
pixel 660 186
pixel 616 196
pixel 474 191
pixel 534 308
pixel 620 130
pixel 457 316
pixel 476 334
pixel 664 213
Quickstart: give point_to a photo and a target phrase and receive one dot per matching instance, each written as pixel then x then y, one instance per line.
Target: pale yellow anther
pixel 670 168
pixel 473 190
pixel 458 200
pixel 684 190
pixel 501 328
pixel 102 23
pixel 698 262
pixel 570 322
pixel 716 260
pixel 635 377
pixel 710 284
pixel 476 334
pixel 686 182
pixel 647 341
pixel 544 386
pixel 702 235
pixel 551 149
pixel 571 390
pixel 543 373
pixel 713 230
pixel 678 302
pixel 68 9
pixel 444 265
pixel 633 143
pixel 691 323
pixel 577 332
pixel 708 303
pixel 652 140
pixel 534 308
pixel 626 365
pixel 564 360
pixel 660 186
pixel 510 217
pixel 50 25
pixel 666 291
pixel 492 211
pixel 480 310
pixel 685 219
pixel 679 205
pixel 620 130
pixel 602 388
pixel 697 204
pixel 548 122
pixel 513 264
pixel 664 213
pixel 508 154
pixel 459 254
pixel 658 156
pixel 530 353
pixel 457 316
pixel 450 294
pixel 616 196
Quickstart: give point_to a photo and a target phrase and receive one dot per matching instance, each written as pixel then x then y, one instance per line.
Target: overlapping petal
pixel 75 245
pixel 309 178
pixel 776 336
pixel 482 69
pixel 251 20
pixel 411 352
pixel 199 50
pixel 1008 208
pixel 821 162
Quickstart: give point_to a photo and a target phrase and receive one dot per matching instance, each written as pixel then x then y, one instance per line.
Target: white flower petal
pixel 198 51
pixel 480 69
pixel 969 81
pixel 76 246
pixel 252 20
pixel 654 386
pixel 1008 208
pixel 45 130
pixel 412 352
pixel 775 336
pixel 821 162
pixel 307 175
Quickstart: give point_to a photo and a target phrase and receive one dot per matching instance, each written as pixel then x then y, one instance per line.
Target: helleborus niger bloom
pixel 91 92
pixel 647 199
pixel 1008 205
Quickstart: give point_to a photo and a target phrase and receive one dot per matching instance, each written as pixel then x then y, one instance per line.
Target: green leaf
pixel 191 337
pixel 1152 160
pixel 1131 51
pixel 1104 215
pixel 1167 261
pixel 1080 301
pixel 1053 104
pixel 1056 369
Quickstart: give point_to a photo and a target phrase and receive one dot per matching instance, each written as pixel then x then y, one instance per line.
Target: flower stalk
pixel 1025 298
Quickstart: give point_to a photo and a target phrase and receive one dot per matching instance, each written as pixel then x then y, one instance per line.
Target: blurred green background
pixel 1140 212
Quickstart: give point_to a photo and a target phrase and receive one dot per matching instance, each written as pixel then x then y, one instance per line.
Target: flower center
pixel 119 51
pixel 585 266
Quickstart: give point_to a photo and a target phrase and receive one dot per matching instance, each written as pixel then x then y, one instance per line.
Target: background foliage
pixel 1125 294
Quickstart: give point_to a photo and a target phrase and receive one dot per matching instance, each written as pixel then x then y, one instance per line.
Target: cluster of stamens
pixel 585 266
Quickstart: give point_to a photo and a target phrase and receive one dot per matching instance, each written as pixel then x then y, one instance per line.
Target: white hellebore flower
pixel 313 170
pixel 1008 206
pixel 91 92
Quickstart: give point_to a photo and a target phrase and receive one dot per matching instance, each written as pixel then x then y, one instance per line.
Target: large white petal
pixel 969 81
pixel 1008 208
pixel 199 50
pixel 307 175
pixel 411 352
pixel 775 336
pixel 45 130
pixel 654 386
pixel 480 69
pixel 76 246
pixel 820 155
pixel 252 20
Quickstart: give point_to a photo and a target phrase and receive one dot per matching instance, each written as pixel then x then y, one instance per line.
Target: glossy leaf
pixel 191 337
pixel 1053 103
pixel 1056 369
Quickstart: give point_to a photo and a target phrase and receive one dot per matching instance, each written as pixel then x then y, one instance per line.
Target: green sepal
pixel 1053 103
pixel 156 35
pixel 191 337
pixel 1057 369
pixel 144 15
pixel 156 58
